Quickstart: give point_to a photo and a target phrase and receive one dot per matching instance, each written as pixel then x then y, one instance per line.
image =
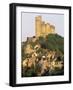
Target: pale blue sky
pixel 28 23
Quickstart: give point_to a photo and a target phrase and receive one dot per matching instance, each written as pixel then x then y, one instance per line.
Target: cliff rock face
pixel 43 56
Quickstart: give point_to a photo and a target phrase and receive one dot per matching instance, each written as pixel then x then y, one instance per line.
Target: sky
pixel 28 23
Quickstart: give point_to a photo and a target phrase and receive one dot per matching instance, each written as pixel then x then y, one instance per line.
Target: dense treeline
pixel 52 42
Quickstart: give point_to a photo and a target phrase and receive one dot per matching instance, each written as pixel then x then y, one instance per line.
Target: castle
pixel 42 28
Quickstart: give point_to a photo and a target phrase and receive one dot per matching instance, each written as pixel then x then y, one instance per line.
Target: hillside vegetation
pixel 43 56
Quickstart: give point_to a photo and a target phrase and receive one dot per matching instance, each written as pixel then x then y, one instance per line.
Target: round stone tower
pixel 38 21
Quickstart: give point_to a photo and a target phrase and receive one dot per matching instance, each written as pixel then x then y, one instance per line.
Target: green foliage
pixel 55 42
pixel 52 42
pixel 42 42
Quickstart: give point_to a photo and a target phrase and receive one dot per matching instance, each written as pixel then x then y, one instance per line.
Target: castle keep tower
pixel 42 28
pixel 38 26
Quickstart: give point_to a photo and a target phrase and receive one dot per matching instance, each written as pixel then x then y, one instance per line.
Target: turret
pixel 52 29
pixel 43 28
pixel 48 28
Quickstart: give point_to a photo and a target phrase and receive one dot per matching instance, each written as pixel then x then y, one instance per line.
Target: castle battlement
pixel 42 28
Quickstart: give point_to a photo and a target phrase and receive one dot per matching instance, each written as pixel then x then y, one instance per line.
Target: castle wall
pixel 43 29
